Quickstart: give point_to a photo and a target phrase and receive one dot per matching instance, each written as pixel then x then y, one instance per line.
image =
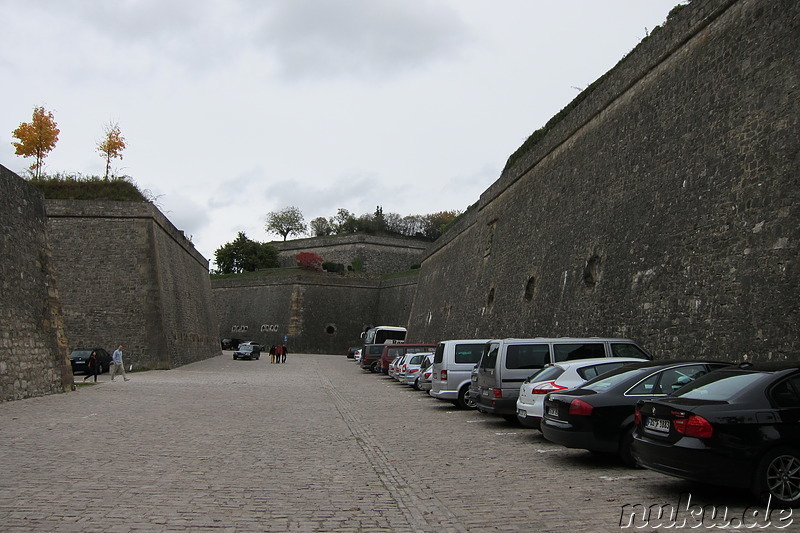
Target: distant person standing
pixel 116 358
pixel 272 351
pixel 284 351
pixel 91 367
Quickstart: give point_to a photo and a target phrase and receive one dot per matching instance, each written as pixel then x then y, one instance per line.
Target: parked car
pixel 412 367
pixel 599 415
pixel 557 377
pixel 506 363
pixel 79 356
pixel 247 351
pixel 453 362
pixel 393 365
pixel 357 356
pixel 230 344
pixel 371 357
pixel 351 351
pixel 736 427
pixel 399 371
pixel 425 380
pixel 390 351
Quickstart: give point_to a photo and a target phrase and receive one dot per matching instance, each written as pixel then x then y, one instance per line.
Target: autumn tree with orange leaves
pixel 111 145
pixel 36 138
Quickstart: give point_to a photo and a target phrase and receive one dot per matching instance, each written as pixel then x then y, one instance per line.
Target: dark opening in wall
pixel 490 299
pixel 330 329
pixel 530 286
pixel 591 272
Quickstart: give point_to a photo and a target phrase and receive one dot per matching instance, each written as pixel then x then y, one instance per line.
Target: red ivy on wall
pixel 309 261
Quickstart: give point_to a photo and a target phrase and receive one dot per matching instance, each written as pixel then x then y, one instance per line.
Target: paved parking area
pixel 311 445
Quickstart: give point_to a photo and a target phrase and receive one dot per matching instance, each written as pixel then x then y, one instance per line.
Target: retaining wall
pixel 128 276
pixel 33 349
pixel 663 207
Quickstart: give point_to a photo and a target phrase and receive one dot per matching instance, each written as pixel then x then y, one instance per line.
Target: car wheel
pixel 234 357
pixel 778 477
pixel 465 401
pixel 416 384
pixel 374 368
pixel 625 449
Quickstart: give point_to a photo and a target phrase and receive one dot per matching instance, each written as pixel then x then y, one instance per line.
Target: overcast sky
pixel 234 108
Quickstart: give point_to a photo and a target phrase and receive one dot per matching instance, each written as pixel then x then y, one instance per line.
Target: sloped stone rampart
pixel 33 351
pixel 663 207
pixel 129 277
pixel 378 255
pixel 316 312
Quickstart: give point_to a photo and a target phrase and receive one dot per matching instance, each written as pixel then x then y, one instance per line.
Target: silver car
pixel 558 377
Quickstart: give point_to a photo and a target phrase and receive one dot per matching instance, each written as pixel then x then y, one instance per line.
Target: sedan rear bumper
pixel 691 459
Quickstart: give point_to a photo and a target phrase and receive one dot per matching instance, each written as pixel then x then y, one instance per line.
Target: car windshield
pixel 605 382
pixel 246 348
pixel 80 353
pixel 718 386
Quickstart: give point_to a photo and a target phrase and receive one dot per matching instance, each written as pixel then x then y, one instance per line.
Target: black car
pixel 79 356
pixel 351 351
pixel 736 427
pixel 230 344
pixel 247 351
pixel 598 415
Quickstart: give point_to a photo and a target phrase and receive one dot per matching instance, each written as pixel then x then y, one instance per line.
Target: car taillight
pixel 404 368
pixel 578 407
pixel 413 370
pixel 637 417
pixel 444 375
pixel 544 388
pixel 498 393
pixel 426 375
pixel 694 426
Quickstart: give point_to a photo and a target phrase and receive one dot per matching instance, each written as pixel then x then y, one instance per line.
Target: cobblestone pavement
pixel 311 445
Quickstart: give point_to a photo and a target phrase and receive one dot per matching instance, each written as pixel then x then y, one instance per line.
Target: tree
pixel 112 144
pixel 288 221
pixel 36 138
pixel 245 255
pixel 320 227
pixel 344 222
pixel 309 261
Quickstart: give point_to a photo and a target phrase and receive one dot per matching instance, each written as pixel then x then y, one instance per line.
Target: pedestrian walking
pixel 91 367
pixel 272 354
pixel 284 351
pixel 118 367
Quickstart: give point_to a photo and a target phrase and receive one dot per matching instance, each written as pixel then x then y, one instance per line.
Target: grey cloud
pixel 360 38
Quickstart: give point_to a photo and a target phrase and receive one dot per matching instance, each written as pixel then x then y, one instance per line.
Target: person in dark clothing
pixel 92 365
pixel 284 351
pixel 272 352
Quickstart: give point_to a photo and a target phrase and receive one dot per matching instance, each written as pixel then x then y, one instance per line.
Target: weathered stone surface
pixel 319 313
pixel 378 255
pixel 128 276
pixel 664 207
pixel 33 351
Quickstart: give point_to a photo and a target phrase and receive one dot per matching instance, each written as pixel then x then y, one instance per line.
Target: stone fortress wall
pixel 128 276
pixel 378 254
pixel 33 349
pixel 314 313
pixel 663 207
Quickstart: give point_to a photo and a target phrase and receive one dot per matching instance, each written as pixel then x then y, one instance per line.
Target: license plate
pixel 657 424
pixel 552 411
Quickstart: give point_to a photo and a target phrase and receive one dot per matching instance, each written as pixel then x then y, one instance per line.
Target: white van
pixel 506 363
pixel 453 362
